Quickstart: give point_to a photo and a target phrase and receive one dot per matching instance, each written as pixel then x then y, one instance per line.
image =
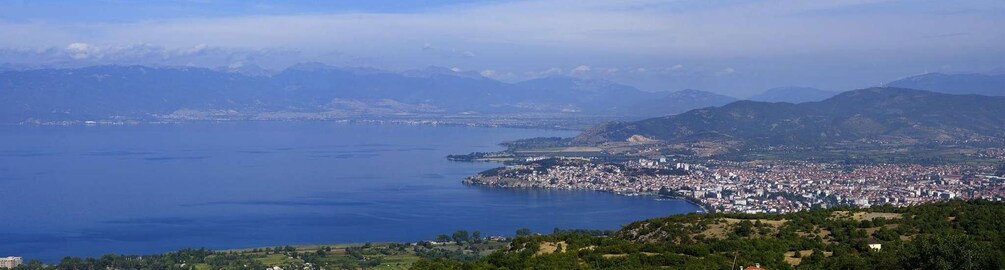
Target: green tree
pixel 443 238
pixel 946 251
pixel 744 228
pixel 460 236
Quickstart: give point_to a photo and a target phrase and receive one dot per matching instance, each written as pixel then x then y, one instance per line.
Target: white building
pixel 10 262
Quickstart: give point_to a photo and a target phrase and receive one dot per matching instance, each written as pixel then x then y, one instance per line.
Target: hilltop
pixel 949 235
pixel 793 94
pixel 876 114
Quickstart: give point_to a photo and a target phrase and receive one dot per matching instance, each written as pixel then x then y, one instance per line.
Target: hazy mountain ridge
pixel 793 94
pixel 108 91
pixel 139 92
pixel 980 84
pixel 678 102
pixel 887 114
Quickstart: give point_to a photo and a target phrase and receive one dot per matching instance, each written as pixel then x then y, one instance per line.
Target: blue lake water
pixel 87 191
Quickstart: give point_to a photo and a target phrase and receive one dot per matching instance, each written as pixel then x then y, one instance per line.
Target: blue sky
pixel 732 47
pixel 133 10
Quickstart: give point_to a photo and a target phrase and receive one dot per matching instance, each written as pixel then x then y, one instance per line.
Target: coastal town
pixel 758 186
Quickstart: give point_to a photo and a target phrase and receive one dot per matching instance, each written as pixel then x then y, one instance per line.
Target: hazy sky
pixel 731 47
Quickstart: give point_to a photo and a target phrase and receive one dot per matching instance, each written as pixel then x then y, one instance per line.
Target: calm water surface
pixel 87 191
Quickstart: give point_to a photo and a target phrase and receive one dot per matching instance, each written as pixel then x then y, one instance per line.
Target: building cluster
pixel 767 187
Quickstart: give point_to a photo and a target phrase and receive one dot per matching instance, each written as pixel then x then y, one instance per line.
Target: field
pixel 362 255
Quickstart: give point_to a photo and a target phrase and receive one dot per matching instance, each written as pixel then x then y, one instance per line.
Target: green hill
pixel 948 235
pixel 875 114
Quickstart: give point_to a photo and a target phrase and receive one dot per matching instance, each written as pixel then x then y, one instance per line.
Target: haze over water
pixel 91 190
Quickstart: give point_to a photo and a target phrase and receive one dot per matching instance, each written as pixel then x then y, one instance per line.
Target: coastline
pixel 332 165
pixel 565 123
pixel 702 207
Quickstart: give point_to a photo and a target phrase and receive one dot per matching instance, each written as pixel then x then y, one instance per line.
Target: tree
pixel 443 238
pixel 477 236
pixel 949 251
pixel 744 228
pixel 523 232
pixel 460 236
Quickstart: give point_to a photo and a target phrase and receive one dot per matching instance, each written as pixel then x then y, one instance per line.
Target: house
pixel 756 266
pixel 874 244
pixel 10 262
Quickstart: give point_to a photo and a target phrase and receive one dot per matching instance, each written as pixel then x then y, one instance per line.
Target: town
pixel 758 186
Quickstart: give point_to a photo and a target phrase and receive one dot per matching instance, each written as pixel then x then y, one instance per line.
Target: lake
pixel 144 189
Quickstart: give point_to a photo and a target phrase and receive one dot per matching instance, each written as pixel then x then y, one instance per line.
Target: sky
pixel 738 48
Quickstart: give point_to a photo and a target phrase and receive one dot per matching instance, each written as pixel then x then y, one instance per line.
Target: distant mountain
pixel 680 101
pixel 433 71
pixel 312 86
pixel 886 114
pixel 582 95
pixel 104 92
pixel 312 90
pixel 793 94
pixel 980 84
pixel 246 69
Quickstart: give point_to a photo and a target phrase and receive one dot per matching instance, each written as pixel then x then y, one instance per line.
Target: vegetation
pixel 536 143
pixel 879 115
pixel 865 153
pixel 353 256
pixel 949 235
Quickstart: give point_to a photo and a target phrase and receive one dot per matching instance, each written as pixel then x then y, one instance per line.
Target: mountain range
pixel 980 84
pixel 973 83
pixel 793 94
pixel 318 90
pixel 882 113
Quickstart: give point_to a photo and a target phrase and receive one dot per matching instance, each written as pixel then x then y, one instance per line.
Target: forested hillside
pixel 949 235
pixel 875 114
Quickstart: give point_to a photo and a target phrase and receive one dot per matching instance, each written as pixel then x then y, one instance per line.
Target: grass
pixel 274 259
pixel 338 254
pixel 398 262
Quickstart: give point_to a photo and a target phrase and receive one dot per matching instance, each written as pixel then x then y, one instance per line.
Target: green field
pixel 363 255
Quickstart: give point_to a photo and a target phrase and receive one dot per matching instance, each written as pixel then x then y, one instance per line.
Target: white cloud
pixel 726 71
pixel 639 26
pixel 777 38
pixel 507 76
pixel 581 69
pixel 549 72
pixel 80 50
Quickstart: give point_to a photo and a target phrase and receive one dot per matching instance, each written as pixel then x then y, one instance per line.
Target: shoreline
pixel 260 151
pixel 550 123
pixel 704 209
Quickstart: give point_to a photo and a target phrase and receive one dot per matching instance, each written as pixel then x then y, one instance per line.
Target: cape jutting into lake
pixel 144 189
